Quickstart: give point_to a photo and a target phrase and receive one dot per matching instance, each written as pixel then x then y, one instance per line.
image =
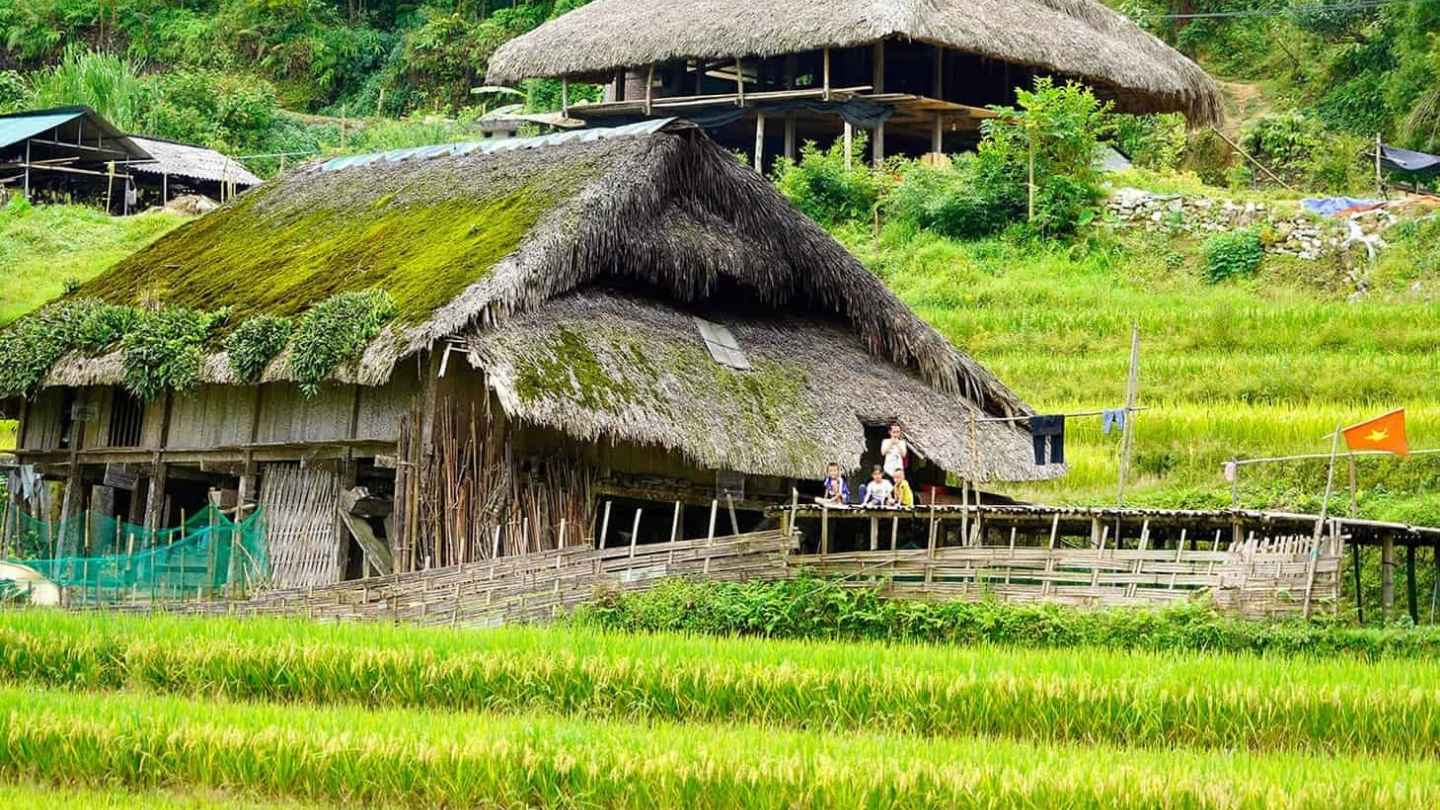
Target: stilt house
pixel 626 315
pixel 918 74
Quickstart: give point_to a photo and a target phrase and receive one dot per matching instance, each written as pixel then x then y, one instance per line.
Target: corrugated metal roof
pixel 509 145
pixel 16 128
pixel 197 162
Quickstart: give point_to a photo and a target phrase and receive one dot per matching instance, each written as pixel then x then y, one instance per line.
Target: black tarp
pixel 1403 160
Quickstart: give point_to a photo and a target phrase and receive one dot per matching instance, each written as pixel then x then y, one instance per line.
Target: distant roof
pixel 195 162
pixel 1079 38
pixel 17 127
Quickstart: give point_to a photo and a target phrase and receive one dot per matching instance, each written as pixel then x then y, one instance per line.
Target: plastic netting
pixel 112 560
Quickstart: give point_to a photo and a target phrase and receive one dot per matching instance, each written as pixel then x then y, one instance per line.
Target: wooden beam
pixel 790 136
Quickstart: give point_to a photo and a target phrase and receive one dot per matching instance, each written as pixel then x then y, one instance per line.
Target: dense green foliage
pixel 166 348
pixel 1052 134
pixel 1233 254
pixel 811 608
pixel 335 331
pixel 29 349
pixel 256 342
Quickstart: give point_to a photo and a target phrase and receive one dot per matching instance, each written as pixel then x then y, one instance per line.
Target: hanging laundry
pixel 1231 468
pixel 1114 418
pixel 1048 431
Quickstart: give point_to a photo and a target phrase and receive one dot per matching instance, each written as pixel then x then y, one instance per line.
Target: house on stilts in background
pixel 72 155
pixel 919 75
pixel 623 316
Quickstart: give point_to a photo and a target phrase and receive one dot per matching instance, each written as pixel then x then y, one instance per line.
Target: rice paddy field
pixel 1259 367
pixel 190 712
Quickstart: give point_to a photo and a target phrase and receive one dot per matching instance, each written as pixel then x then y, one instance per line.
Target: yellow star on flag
pixel 1385 433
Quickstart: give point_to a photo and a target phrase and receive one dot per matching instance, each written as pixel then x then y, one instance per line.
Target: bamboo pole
pixel 714 512
pixel 675 523
pixel 1320 524
pixel 1410 596
pixel 1132 392
pixel 1359 600
pixel 605 523
pixel 635 533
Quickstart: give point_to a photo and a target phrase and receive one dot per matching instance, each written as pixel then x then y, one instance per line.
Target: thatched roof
pixel 471 238
pixel 1076 38
pixel 601 363
pixel 194 162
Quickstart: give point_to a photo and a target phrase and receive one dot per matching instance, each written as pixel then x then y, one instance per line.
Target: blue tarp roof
pixel 16 128
pixel 500 145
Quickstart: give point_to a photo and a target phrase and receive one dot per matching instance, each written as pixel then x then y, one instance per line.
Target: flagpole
pixel 1324 514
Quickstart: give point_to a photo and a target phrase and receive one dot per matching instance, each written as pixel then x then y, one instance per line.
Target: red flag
pixel 1386 433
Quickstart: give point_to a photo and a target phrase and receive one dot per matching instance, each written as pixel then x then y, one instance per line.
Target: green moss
pixel 261 261
pixel 569 370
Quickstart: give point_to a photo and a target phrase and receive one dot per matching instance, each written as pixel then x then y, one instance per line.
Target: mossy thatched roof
pixel 464 236
pixel 1075 38
pixel 603 363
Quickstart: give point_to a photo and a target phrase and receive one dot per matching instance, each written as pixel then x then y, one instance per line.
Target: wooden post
pixel 27 164
pixel 1379 177
pixel 790 136
pixel 877 81
pixel 1235 468
pixel 635 533
pixel 825 74
pixel 605 523
pixel 675 523
pixel 734 520
pixel 1410 596
pixel 760 143
pixel 1320 524
pixel 164 188
pixel 1132 393
pixel 1030 131
pixel 824 531
pixel 1387 577
pixel 714 511
pixel 874 533
pixel 740 82
pixel 937 83
pixel 937 135
pixel 565 96
pixel 849 141
pixel 894 533
pixel 1354 490
pixel 649 90
pixel 1359 600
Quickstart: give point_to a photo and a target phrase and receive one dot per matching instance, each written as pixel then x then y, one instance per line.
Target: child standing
pixel 879 493
pixel 904 496
pixel 837 492
pixel 895 450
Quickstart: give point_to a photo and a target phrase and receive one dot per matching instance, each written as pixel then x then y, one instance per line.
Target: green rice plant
pixel 423 759
pixel 1083 695
pixel 34 796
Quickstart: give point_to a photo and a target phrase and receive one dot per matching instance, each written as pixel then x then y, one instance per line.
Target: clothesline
pixel 1075 414
pixel 1240 462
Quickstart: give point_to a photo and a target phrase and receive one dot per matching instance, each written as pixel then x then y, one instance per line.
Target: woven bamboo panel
pixel 300 523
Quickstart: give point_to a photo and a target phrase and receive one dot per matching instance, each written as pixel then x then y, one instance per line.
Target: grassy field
pixel 52 797
pixel 293 711
pixel 43 247
pixel 1261 367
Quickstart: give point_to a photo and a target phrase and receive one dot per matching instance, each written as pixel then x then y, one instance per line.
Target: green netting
pixel 111 560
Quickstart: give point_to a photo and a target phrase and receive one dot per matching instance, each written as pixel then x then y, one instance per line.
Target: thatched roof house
pixel 929 65
pixel 632 300
pixel 183 161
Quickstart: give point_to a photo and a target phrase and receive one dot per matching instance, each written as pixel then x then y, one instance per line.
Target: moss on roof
pixel 423 235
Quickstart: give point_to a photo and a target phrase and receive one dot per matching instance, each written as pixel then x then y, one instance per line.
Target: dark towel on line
pixel 1048 430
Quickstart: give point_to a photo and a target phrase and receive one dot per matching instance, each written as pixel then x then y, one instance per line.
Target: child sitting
pixel 904 496
pixel 837 491
pixel 878 493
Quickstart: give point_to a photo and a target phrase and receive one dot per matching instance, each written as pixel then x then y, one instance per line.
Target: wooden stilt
pixel 1387 577
pixel 635 533
pixel 1359 595
pixel 605 523
pixel 714 511
pixel 1410 596
pixel 675 523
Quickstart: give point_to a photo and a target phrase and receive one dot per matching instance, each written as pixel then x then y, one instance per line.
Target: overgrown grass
pixel 44 247
pixel 1088 695
pixel 360 756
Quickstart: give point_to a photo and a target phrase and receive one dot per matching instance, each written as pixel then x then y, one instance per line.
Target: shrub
pixel 1154 142
pixel 1059 128
pixel 956 201
pixel 255 343
pixel 166 349
pixel 824 189
pixel 1236 254
pixel 335 331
